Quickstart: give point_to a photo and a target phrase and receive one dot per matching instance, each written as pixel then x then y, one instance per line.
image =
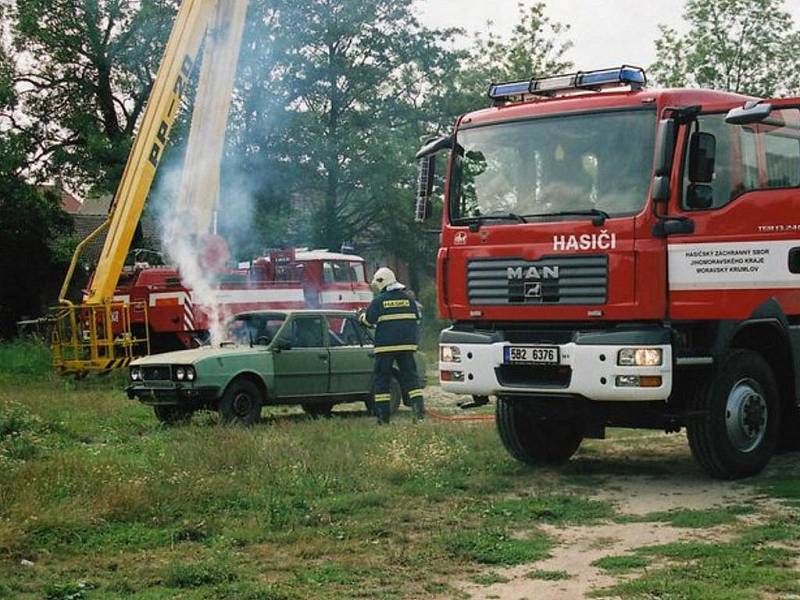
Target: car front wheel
pixel 241 403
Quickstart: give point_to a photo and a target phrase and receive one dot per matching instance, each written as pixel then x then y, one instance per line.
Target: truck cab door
pixel 740 188
pixel 302 367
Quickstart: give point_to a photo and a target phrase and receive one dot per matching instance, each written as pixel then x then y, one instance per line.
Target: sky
pixel 605 33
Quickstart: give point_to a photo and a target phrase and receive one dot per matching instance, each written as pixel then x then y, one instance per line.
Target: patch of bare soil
pixel 621 466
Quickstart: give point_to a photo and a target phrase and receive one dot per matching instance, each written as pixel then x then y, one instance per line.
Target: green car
pixel 315 358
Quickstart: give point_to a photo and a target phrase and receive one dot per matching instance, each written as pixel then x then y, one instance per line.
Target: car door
pixel 352 356
pixel 303 368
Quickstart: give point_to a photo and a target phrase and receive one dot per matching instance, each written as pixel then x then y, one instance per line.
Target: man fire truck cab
pixel 613 255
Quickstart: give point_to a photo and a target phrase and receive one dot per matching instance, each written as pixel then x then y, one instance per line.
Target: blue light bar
pixel 504 90
pixel 583 80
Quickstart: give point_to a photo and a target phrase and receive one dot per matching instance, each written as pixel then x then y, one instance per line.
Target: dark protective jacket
pixel 395 316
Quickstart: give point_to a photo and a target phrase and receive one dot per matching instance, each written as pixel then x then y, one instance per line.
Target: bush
pixel 25 357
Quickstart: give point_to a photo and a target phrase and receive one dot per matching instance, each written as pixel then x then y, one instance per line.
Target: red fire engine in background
pixel 281 279
pixel 618 256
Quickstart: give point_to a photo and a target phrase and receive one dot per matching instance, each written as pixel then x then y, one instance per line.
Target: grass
pixel 621 564
pixel 694 519
pixel 741 569
pixel 107 503
pixel 548 575
pixel 489 578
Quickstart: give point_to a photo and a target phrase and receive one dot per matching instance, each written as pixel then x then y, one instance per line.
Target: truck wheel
pixel 317 409
pixel 532 439
pixel 241 403
pixel 736 421
pixel 169 414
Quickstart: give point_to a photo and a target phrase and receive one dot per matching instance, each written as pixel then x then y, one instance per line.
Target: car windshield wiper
pixel 600 216
pixel 476 220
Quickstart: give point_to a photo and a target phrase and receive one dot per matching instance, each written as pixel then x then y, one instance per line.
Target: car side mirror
pixel 283 344
pixel 702 155
pixel 699 196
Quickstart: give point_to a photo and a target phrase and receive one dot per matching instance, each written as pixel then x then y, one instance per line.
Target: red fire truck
pixel 281 279
pixel 613 255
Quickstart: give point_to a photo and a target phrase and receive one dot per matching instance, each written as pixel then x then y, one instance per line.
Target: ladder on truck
pixel 96 336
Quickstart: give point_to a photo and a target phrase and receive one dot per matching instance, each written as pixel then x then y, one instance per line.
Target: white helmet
pixel 383 277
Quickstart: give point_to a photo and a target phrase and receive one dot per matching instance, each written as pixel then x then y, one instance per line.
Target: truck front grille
pixel 549 280
pixel 157 373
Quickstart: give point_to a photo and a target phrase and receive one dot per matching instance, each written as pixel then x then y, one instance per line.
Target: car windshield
pixel 254 329
pixel 584 163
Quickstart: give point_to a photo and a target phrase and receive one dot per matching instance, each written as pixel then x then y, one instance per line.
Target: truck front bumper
pixel 587 366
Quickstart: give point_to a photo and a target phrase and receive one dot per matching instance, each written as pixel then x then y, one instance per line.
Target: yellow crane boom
pixel 84 337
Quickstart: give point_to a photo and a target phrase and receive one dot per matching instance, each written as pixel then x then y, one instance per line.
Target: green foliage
pixel 496 547
pixel 25 357
pixel 90 67
pixel 750 47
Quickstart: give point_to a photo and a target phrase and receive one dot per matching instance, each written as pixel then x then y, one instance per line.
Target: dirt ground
pixel 682 486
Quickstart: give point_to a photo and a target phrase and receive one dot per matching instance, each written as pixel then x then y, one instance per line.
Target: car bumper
pixel 587 367
pixel 176 393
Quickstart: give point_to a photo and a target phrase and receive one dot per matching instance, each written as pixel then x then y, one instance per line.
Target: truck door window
pixel 357 272
pixel 744 153
pixel 336 271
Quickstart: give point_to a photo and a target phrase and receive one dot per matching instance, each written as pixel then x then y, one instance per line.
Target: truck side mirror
pixel 426 171
pixel 662 165
pixel 752 112
pixel 699 196
pixel 702 154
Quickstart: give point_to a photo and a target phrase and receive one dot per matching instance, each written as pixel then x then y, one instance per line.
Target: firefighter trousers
pixel 408 379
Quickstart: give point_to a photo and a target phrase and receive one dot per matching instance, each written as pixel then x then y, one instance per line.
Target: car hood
pixel 189 357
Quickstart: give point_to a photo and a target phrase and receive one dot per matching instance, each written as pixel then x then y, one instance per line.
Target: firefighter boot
pixel 383 411
pixel 418 406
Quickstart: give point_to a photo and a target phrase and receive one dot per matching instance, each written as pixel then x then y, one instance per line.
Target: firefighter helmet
pixel 383 277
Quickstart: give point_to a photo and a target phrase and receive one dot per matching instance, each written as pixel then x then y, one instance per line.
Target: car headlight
pixel 190 374
pixel 450 354
pixel 136 373
pixel 180 373
pixel 640 357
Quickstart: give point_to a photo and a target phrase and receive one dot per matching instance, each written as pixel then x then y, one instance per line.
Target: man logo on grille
pixel 532 272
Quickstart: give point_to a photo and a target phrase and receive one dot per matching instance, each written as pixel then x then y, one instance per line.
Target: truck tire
pixel 169 414
pixel 241 403
pixel 532 439
pixel 394 404
pixel 317 409
pixel 733 430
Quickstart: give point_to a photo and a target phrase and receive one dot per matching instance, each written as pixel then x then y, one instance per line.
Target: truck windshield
pixel 529 170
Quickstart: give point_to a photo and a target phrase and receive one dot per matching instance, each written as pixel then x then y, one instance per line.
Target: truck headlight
pixel 190 373
pixel 180 373
pixel 450 354
pixel 640 357
pixel 136 373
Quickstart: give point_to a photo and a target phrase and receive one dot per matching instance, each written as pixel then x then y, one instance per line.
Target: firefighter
pixel 394 315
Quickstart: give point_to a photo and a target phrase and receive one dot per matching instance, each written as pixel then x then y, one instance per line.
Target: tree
pixel 85 68
pixel 746 46
pixel 31 224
